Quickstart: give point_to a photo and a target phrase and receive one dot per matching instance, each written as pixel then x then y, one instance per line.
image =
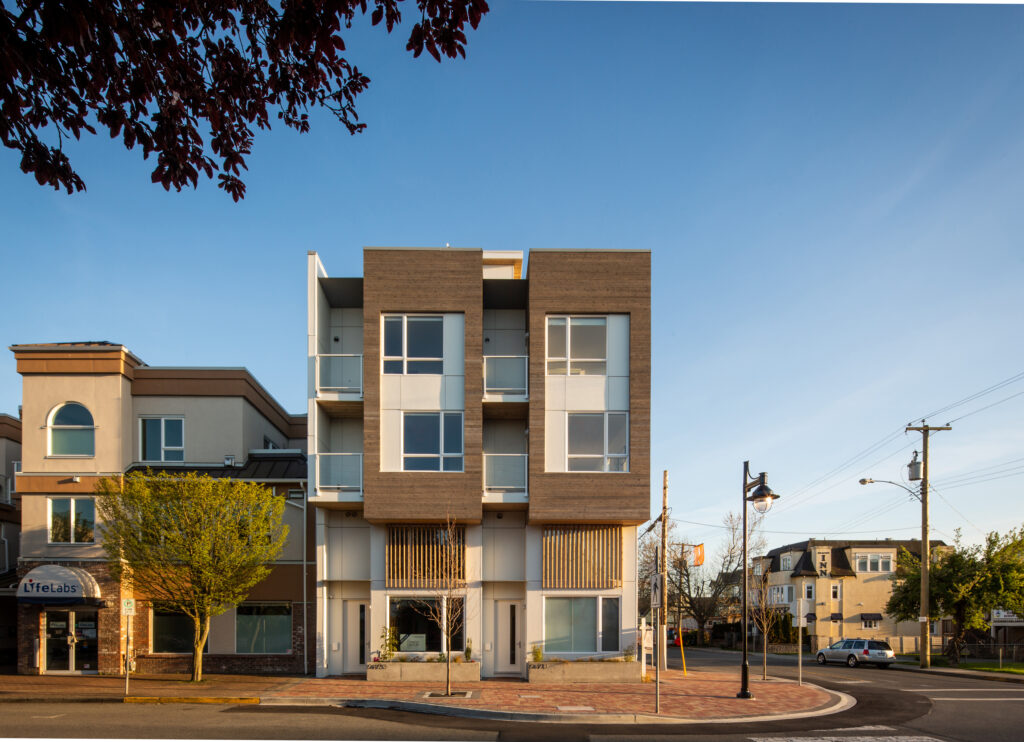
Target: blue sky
pixel 831 194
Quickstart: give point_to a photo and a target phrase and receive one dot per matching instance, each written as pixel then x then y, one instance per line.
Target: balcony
pixel 340 373
pixel 505 478
pixel 339 477
pixel 505 378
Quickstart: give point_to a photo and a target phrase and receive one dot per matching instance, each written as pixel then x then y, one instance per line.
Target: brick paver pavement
pixel 700 695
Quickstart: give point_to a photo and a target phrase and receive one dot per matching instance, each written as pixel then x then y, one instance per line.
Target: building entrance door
pixel 509 647
pixel 71 642
pixel 356 636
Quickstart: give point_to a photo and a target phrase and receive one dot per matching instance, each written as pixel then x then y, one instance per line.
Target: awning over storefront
pixel 811 617
pixel 871 617
pixel 836 617
pixel 52 584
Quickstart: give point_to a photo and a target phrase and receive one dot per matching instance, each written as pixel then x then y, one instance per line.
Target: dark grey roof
pixel 841 566
pixel 804 566
pixel 275 466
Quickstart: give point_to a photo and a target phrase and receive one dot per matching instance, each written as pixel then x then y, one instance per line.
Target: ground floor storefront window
pixel 263 628
pixel 415 622
pixel 173 633
pixel 571 624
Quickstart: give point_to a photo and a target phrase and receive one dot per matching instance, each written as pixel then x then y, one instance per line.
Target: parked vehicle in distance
pixel 858 651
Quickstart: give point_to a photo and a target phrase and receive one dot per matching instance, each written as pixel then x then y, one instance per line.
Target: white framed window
pixel 11 483
pixel 269 444
pixel 412 344
pixel 789 593
pixel 432 441
pixel 577 346
pixel 162 438
pixel 72 432
pixel 869 624
pixel 416 631
pixel 874 563
pixel 597 441
pixel 836 591
pixel 786 562
pixel 809 590
pixel 758 568
pixel 581 624
pixel 263 628
pixel 71 520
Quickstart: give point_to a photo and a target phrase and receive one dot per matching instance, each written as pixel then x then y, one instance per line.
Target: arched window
pixel 72 432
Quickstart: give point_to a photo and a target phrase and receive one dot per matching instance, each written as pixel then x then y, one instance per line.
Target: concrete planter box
pixel 583 672
pixel 422 672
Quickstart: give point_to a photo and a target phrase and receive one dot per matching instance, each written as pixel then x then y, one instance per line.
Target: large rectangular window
pixel 72 520
pixel 598 441
pixel 432 441
pixel 418 631
pixel 572 624
pixel 173 633
pixel 263 628
pixel 874 563
pixel 577 346
pixel 413 344
pixel 162 438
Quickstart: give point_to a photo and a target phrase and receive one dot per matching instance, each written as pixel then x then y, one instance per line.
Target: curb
pixel 966 674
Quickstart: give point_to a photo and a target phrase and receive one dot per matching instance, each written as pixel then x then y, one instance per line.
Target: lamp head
pixel 867 481
pixel 762 497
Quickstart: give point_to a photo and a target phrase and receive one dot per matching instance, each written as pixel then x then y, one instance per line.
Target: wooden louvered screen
pixel 426 556
pixel 582 556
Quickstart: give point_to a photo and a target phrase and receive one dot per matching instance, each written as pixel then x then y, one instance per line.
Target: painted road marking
pixel 866 728
pixel 975 698
pixel 849 682
pixel 574 708
pixel 901 738
pixel 963 690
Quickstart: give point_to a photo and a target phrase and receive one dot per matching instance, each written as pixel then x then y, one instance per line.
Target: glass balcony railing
pixel 340 471
pixel 505 375
pixel 505 472
pixel 340 373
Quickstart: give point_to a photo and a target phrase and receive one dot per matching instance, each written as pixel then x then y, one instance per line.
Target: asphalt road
pixel 893 706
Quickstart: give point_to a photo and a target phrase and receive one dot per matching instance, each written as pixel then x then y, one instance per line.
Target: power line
pixel 951 507
pixel 874 530
pixel 971 397
pixel 986 407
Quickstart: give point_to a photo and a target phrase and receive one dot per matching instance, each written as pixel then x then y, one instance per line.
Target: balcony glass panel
pixel 505 375
pixel 342 471
pixel 505 471
pixel 341 373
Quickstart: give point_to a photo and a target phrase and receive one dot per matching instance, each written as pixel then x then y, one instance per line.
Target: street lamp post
pixel 762 498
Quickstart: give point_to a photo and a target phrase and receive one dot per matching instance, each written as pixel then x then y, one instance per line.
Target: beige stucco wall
pixel 213 426
pixel 34 534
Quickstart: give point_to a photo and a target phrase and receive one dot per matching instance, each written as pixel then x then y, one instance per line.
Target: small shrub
pixel 537 653
pixel 469 650
pixel 629 654
pixel 388 643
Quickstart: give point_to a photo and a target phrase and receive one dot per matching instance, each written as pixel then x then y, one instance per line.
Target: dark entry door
pixel 58 644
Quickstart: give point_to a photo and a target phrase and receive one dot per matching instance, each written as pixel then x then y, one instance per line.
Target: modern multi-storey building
pixel 449 387
pixel 93 410
pixel 844 586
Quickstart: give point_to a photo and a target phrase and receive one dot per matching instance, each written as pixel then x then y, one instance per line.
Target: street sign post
pixel 128 610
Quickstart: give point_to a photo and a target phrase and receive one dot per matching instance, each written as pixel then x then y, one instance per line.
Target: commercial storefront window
pixel 173 632
pixel 571 624
pixel 263 628
pixel 72 520
pixel 417 632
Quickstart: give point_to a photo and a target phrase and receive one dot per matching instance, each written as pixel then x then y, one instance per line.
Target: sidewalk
pixel 701 697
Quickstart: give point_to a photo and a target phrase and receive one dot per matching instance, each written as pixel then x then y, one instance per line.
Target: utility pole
pixel 926 645
pixel 663 568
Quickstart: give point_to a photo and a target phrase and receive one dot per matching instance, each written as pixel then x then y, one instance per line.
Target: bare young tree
pixel 446 574
pixel 763 611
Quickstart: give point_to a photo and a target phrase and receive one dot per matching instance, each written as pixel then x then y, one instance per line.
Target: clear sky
pixel 832 195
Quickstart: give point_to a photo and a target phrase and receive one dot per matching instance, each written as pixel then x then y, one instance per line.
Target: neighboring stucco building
pixel 451 384
pixel 10 534
pixel 846 585
pixel 93 410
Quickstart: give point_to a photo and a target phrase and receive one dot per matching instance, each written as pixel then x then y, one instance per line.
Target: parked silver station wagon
pixel 858 651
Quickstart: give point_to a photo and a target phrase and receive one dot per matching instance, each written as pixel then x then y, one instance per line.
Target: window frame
pixel 163 437
pixel 71 520
pixel 785 562
pixel 441 455
pixel 871 623
pixel 51 427
pixel 599 632
pixel 421 597
pixel 837 591
pixel 874 562
pixel 291 626
pixel 808 591
pixel 605 456
pixel 405 358
pixel 12 488
pixel 152 635
pixel 568 358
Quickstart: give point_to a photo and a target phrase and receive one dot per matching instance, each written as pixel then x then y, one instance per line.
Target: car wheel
pixel 821 659
pixel 851 661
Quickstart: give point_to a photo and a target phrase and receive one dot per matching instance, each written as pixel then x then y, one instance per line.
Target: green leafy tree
pixel 190 543
pixel 965 582
pixel 162 76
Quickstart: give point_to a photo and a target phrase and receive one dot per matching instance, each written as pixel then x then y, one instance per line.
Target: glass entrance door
pixel 71 641
pixel 58 644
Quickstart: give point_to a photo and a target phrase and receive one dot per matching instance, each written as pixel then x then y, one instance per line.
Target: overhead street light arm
pixel 913 493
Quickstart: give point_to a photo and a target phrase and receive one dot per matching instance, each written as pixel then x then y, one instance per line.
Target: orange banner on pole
pixel 698 555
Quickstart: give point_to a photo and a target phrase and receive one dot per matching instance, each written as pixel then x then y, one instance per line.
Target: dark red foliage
pixel 151 72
